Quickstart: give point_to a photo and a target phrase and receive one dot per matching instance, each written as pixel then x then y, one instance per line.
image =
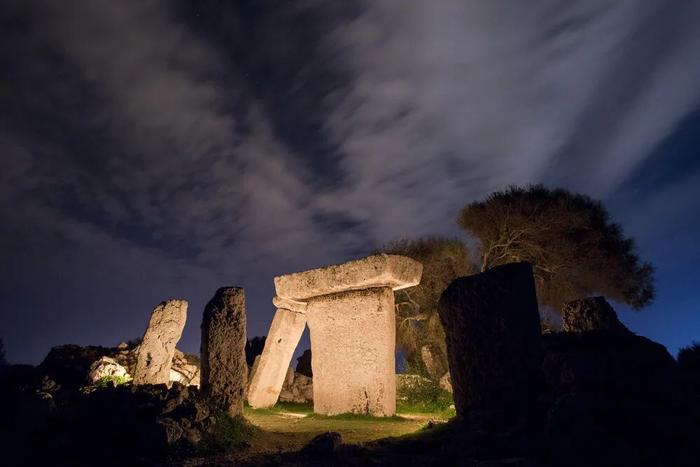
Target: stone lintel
pixel 394 271
pixel 291 305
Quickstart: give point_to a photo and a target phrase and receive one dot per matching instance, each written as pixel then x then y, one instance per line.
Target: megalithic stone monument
pixel 222 350
pixel 349 309
pixel 155 354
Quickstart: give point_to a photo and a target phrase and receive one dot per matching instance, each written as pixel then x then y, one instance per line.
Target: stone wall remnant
pixel 224 371
pixel 155 355
pixel 492 325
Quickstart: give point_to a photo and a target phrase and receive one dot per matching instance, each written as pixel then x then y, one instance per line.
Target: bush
pixel 112 380
pixel 415 393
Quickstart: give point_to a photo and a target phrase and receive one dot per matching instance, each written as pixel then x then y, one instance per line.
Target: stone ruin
pixel 349 309
pixel 155 354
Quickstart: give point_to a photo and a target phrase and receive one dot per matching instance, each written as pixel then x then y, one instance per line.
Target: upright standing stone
pixel 353 338
pixel 492 325
pixel 155 354
pixel 271 368
pixel 224 369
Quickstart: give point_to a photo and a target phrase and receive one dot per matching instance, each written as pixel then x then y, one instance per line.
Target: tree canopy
pixel 417 321
pixel 574 247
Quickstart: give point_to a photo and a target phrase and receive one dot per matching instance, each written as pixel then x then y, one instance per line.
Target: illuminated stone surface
pixel 155 354
pixel 396 272
pixel 224 369
pixel 350 312
pixel 270 370
pixel 352 344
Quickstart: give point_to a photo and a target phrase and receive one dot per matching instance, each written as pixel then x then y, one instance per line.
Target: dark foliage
pixel 574 247
pixel 304 364
pixel 253 348
pixel 417 321
pixel 689 358
pixel 3 360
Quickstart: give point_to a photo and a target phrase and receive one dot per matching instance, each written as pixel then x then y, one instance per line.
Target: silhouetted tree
pixel 574 247
pixel 3 360
pixel 253 348
pixel 304 364
pixel 417 321
pixel 689 358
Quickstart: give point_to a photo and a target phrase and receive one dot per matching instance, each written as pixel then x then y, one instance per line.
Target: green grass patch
pixel 357 417
pixel 106 381
pixel 227 434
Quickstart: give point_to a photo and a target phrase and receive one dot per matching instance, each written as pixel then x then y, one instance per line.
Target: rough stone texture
pixel 433 364
pixel 224 368
pixel 185 369
pixel 396 272
pixel 492 325
pixel 270 371
pixel 591 314
pixel 446 382
pixel 352 342
pixel 297 388
pixel 106 367
pixel 156 351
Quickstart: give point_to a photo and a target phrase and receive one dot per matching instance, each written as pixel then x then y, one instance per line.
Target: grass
pixel 287 427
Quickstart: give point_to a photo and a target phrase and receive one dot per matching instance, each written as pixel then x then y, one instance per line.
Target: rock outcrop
pixel 591 314
pixel 223 361
pixel 492 325
pixel 304 364
pixel 155 354
pixel 107 367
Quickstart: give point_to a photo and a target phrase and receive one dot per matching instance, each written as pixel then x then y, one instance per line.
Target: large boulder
pixel 224 368
pixel 107 367
pixel 297 388
pixel 155 354
pixel 591 314
pixel 492 325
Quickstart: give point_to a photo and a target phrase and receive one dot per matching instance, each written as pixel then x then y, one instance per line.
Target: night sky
pixel 154 149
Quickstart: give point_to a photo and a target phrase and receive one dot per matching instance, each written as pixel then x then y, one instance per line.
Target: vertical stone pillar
pixel 353 336
pixel 155 354
pixel 284 335
pixel 492 325
pixel 224 370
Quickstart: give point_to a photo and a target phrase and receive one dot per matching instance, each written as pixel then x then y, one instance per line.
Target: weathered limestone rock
pixel 271 369
pixel 492 326
pixel 446 382
pixel 433 363
pixel 591 314
pixel 224 369
pixel 106 367
pixel 297 388
pixel 396 272
pixel 156 351
pixel 353 338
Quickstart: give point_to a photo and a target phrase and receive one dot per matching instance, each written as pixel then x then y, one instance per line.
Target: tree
pixel 417 320
pixel 3 361
pixel 574 247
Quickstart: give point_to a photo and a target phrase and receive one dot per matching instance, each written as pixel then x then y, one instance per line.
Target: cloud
pixel 192 146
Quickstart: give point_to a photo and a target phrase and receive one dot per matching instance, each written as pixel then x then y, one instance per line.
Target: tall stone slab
pixel 353 336
pixel 271 368
pixel 155 354
pixel 349 309
pixel 224 372
pixel 492 326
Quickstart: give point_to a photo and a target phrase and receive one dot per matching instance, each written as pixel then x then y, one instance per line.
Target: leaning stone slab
pixel 224 370
pixel 393 271
pixel 492 326
pixel 155 354
pixel 270 370
pixel 353 337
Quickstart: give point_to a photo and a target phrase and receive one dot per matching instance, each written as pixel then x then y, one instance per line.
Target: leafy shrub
pixel 112 380
pixel 418 394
